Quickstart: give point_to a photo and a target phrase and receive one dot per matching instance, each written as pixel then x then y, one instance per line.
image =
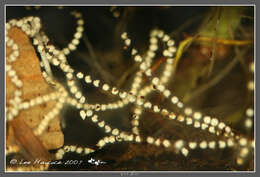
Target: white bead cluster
pixel 61 98
pixel 249 121
pixel 155 35
pixel 30 25
pixel 184 147
pixel 250 111
pixel 246 147
pixel 137 95
pixel 50 54
pixel 251 84
pixel 122 136
pixel 72 148
pixel 78 34
pixel 13 110
pixel 212 125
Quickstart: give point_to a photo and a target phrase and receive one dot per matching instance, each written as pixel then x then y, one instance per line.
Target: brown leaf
pixel 28 69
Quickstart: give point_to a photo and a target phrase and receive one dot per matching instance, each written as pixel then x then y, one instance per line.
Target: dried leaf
pixel 28 69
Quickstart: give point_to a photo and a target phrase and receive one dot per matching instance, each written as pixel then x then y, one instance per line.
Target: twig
pixel 126 75
pixel 247 17
pixel 214 45
pixel 183 46
pixel 226 41
pixel 185 25
pixel 242 62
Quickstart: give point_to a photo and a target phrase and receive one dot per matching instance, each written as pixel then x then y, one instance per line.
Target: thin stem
pixel 214 45
pixel 95 64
